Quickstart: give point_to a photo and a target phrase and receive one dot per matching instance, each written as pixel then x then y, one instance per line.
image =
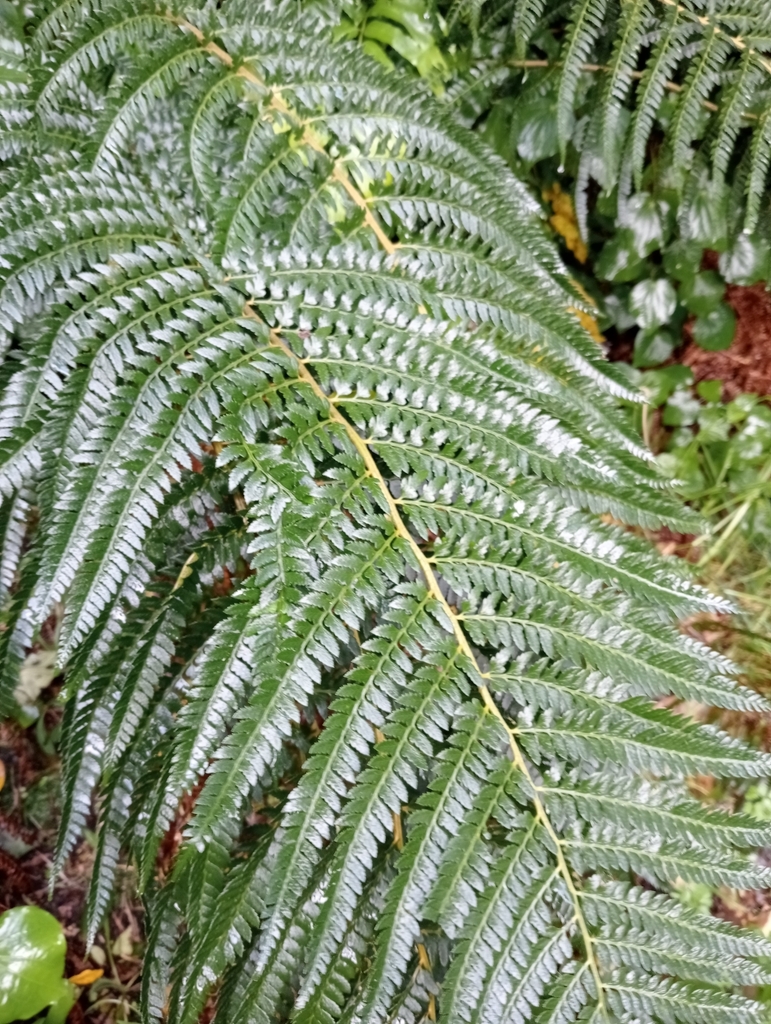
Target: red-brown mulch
pixel 746 365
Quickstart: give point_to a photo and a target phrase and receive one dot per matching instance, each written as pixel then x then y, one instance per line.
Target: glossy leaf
pixel 653 347
pixel 703 292
pixel 652 303
pixel 747 261
pixel 32 950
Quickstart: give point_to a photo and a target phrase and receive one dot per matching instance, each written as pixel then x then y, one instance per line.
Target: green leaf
pixel 709 390
pixel 740 408
pixel 534 128
pixel 682 259
pixel 32 949
pixel 405 26
pixel 703 292
pixel 652 303
pixel 648 220
pixel 681 410
pixel 747 261
pixel 703 218
pixel 652 347
pixel 658 385
pixel 373 49
pixel 715 330
pixel 619 259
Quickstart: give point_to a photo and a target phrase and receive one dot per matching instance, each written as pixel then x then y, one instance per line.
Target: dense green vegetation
pixel 310 452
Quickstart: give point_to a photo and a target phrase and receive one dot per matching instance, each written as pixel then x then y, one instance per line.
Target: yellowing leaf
pixel 588 322
pixel 565 223
pixel 37 672
pixel 87 977
pixel 97 954
pixel 185 571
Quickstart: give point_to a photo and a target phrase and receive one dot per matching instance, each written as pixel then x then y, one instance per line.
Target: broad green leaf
pixel 715 330
pixel 534 128
pixel 747 261
pixel 619 260
pixel 652 303
pixel 653 347
pixel 704 218
pixel 703 292
pixel 682 259
pixel 647 219
pixel 32 949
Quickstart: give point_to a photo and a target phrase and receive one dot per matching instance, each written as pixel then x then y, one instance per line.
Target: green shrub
pixel 301 427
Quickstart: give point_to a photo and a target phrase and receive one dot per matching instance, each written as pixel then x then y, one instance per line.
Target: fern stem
pixel 463 646
pixel 713 108
pixel 710 22
pixel 340 175
pixel 310 137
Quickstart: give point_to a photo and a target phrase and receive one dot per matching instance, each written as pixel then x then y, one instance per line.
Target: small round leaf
pixel 715 330
pixel 703 292
pixel 652 303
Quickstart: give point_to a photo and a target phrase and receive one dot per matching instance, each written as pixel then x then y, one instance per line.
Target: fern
pixel 712 60
pixel 300 426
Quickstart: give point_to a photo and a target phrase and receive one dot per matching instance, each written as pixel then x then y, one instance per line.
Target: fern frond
pixel 457 781
pixel 702 76
pixel 585 25
pixel 711 60
pixel 760 158
pixel 635 17
pixel 526 16
pixel 324 466
pixel 735 98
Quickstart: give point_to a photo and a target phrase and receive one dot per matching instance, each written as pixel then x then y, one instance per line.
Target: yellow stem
pixel 706 21
pixel 432 583
pixel 463 645
pixel 340 175
pixel 310 137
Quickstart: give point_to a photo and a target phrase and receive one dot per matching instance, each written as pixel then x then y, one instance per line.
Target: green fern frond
pixel 300 427
pixel 618 60
pixel 585 25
